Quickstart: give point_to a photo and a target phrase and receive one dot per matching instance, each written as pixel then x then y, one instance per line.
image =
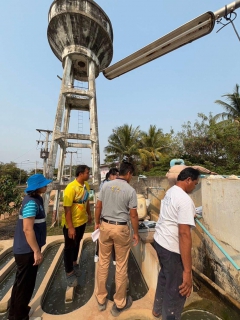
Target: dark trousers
pixel 23 286
pixel 72 247
pixel 168 302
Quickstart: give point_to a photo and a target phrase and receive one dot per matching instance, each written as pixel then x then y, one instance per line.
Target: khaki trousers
pixel 119 237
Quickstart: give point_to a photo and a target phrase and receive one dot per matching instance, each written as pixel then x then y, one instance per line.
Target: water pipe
pixel 141 176
pixel 218 245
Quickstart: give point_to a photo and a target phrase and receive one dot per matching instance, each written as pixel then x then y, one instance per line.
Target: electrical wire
pixel 228 17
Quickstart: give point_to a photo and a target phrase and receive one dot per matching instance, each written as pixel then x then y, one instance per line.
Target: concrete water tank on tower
pixel 82 30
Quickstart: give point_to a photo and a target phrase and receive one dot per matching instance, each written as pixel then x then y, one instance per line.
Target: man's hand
pixel 135 239
pixel 98 211
pixel 38 257
pixel 97 226
pixel 185 289
pixel 71 233
pixel 89 218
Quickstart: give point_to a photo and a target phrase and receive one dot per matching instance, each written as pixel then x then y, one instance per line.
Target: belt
pixel 117 223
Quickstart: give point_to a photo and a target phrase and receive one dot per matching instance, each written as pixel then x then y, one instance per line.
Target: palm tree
pixel 123 143
pixel 154 144
pixel 232 106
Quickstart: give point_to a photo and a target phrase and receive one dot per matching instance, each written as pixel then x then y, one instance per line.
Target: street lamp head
pixel 181 36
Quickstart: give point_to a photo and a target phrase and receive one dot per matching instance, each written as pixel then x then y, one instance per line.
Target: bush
pixel 9 193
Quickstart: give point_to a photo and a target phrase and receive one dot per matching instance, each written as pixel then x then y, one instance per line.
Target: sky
pixel 166 92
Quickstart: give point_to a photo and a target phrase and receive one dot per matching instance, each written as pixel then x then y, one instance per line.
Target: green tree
pixel 13 171
pixel 154 146
pixel 210 144
pixel 10 195
pixel 231 107
pixel 123 143
pixel 33 171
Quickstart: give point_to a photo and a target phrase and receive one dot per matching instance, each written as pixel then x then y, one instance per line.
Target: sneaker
pixel 76 270
pixel 102 307
pixel 72 280
pixel 32 318
pixel 30 312
pixel 156 316
pixel 115 311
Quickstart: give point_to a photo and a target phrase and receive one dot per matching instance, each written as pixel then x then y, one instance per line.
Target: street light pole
pixel 21 170
pixel 36 167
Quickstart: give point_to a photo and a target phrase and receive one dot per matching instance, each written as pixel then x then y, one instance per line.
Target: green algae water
pixel 4 260
pixel 198 315
pixel 54 300
pixel 7 283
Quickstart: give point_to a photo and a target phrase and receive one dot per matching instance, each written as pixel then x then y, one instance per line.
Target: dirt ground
pixel 7 227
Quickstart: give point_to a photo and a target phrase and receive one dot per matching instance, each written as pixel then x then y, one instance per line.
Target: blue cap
pixel 36 181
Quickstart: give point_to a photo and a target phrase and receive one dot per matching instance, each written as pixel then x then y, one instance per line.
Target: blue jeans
pixel 168 302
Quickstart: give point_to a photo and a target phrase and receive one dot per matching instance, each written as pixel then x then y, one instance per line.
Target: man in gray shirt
pixel 116 206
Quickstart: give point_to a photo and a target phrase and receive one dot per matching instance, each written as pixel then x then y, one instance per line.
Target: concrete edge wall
pixel 221 209
pixel 209 260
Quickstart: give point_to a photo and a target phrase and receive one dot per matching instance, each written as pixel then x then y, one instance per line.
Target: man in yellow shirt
pixel 76 215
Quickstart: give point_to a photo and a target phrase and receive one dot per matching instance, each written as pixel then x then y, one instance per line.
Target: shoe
pixel 102 307
pixel 72 280
pixel 157 316
pixel 115 311
pixel 77 271
pixel 30 312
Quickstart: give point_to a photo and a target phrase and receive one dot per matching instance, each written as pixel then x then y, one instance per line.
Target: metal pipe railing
pixel 218 245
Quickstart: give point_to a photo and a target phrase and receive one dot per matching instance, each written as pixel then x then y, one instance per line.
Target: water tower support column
pixel 94 126
pixel 61 164
pixel 66 80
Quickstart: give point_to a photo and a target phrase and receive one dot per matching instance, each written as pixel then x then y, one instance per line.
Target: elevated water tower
pixel 80 35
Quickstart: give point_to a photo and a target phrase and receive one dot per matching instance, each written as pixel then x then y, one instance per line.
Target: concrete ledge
pixel 69 295
pixel 36 301
pixel 148 263
pixel 5 300
pixel 220 291
pixel 147 260
pixel 5 270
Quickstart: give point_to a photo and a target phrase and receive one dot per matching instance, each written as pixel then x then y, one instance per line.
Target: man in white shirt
pixel 173 242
